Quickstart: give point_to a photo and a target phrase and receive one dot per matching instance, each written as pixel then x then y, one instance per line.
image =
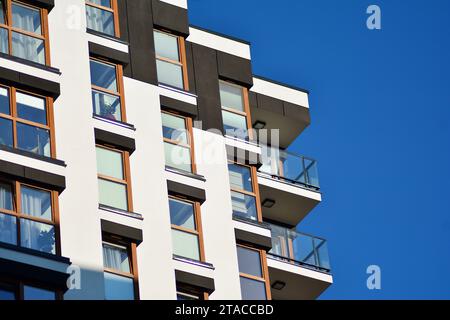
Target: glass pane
pixel 312 172
pixel 4 41
pixel 185 245
pixel 182 214
pixel 178 157
pixel 240 177
pixel 106 106
pixel 322 253
pixel 186 297
pixel 235 125
pixel 174 128
pixel 103 3
pixel 4 101
pixel 303 247
pixel 103 75
pixel 2 11
pixel 36 203
pixel 37 236
pixel 8 229
pixel 249 261
pixel 7 295
pixel 32 293
pixel 6 132
pixel 100 20
pixel 26 18
pixel 33 139
pixel 118 287
pixel 113 194
pixel 253 289
pixel 6 196
pixel 170 74
pixel 231 96
pixel 28 48
pixel 116 258
pixel 244 206
pixel 166 46
pixel 110 163
pixel 31 108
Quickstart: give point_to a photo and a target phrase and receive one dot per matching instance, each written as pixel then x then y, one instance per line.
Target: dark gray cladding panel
pixel 142 65
pixel 207 82
pixel 235 68
pixel 270 104
pixel 187 191
pixel 190 68
pixel 294 111
pixel 113 55
pixel 180 106
pixel 253 239
pixel 201 283
pixel 116 140
pixel 170 17
pixel 123 19
pixel 31 83
pixel 127 232
pixel 47 4
pixel 33 176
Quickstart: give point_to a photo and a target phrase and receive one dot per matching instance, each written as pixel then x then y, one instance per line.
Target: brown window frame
pixel 125 170
pixel 255 186
pixel 189 134
pixel 246 104
pixel 44 25
pixel 17 211
pixel 181 53
pixel 114 10
pixel 17 286
pixel 264 270
pixel 120 87
pixel 131 247
pixel 14 118
pixel 198 224
pixel 191 292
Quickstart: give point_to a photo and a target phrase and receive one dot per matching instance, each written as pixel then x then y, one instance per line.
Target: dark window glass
pixel 182 214
pixel 6 132
pixel 7 294
pixel 4 101
pixel 6 196
pixel 240 177
pixel 103 75
pixel 26 18
pixel 249 261
pixel 100 20
pixel 118 287
pixel 31 108
pixel 253 289
pixel 33 293
pixel 8 229
pixel 37 236
pixel 33 139
pixel 244 206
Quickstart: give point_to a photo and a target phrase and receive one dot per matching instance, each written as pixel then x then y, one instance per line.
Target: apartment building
pixel 138 161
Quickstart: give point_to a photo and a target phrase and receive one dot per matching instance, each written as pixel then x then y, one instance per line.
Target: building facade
pixel 140 159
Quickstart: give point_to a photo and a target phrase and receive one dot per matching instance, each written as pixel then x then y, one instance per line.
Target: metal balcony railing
pixel 299 249
pixel 292 168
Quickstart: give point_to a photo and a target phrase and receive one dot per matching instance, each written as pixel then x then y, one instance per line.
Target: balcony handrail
pixel 300 263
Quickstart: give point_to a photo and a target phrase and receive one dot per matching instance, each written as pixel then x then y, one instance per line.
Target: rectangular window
pixel 177 134
pixel 253 272
pixel 24 32
pixel 114 182
pixel 102 16
pixel 18 290
pixel 27 217
pixel 26 121
pixel 189 295
pixel 186 229
pixel 171 60
pixel 235 111
pixel 120 269
pixel 244 192
pixel 107 90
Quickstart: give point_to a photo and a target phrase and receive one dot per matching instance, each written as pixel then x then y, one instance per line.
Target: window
pixel 244 192
pixel 178 142
pixel 102 16
pixel 107 90
pixel 23 31
pixel 186 229
pixel 12 290
pixel 114 184
pixel 27 217
pixel 253 274
pixel 120 269
pixel 235 110
pixel 26 121
pixel 189 295
pixel 171 60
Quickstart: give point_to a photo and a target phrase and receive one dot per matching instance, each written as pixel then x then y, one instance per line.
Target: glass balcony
pixel 299 249
pixel 287 166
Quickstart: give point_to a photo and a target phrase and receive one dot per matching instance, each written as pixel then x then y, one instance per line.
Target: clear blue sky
pixel 380 105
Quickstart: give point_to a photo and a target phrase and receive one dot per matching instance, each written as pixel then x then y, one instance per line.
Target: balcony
pixel 289 186
pixel 299 265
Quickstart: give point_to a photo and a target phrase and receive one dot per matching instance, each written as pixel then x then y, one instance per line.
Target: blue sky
pixel 380 106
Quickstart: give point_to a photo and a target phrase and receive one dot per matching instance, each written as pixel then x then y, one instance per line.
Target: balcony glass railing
pixel 284 165
pixel 300 249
